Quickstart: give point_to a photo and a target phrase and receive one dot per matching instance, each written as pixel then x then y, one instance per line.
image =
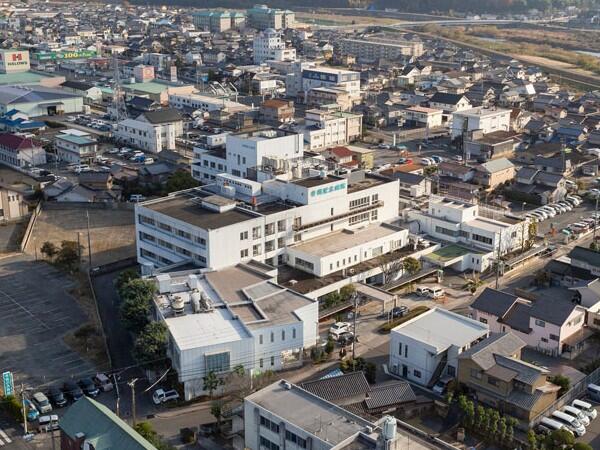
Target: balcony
pixel 338 217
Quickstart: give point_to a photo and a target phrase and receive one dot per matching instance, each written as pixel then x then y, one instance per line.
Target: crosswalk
pixel 4 439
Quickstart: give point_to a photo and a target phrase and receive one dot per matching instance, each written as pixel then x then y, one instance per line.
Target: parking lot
pixel 37 312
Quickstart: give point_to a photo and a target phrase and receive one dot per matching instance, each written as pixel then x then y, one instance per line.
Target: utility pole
pixel 595 220
pixel 117 392
pixel 24 408
pixel 87 215
pixel 355 333
pixel 498 260
pixel 131 384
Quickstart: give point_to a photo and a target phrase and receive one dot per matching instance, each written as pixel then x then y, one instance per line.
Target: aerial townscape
pixel 302 225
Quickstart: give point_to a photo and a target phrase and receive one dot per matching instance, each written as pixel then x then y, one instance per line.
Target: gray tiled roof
pixel 527 373
pixel 494 302
pixel 524 400
pixel 550 310
pixel 390 394
pixel 585 254
pixel 336 388
pixel 518 317
pixel 483 353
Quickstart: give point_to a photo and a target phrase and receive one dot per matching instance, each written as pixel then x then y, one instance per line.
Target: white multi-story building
pixel 75 146
pixel 239 316
pixel 326 128
pixel 427 347
pixel 245 151
pixel 152 131
pixel 275 221
pixel 460 223
pixel 373 48
pixel 262 17
pixel 480 118
pixel 20 152
pixel 285 416
pixel 218 21
pixel 268 45
pixel 205 103
pixel 330 77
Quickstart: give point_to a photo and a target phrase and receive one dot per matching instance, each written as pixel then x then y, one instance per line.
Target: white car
pixel 338 328
pixel 541 213
pixel 566 205
pixel 561 208
pixel 162 396
pixel 549 211
pixel 579 415
pixel 586 408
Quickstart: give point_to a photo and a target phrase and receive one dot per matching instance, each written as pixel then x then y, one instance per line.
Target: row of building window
pixel 269 424
pixel 267 444
pixel 272 336
pixel 144 220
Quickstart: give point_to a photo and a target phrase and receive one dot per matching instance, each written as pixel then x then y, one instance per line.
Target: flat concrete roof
pixel 229 282
pixel 342 240
pixel 487 224
pixel 316 181
pixel 185 209
pixel 309 412
pixel 441 329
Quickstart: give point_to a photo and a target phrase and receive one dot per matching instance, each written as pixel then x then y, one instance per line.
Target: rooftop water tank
pixel 389 428
pixel 177 304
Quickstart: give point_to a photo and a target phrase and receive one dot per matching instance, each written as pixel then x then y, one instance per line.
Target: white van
pixel 586 408
pixel 570 422
pixel 422 291
pixel 579 415
pixel 552 425
pixel 48 423
pixel 593 390
pixel 435 292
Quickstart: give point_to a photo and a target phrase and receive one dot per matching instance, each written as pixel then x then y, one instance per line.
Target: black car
pixel 89 387
pixel 395 313
pixel 72 390
pixel 345 339
pixel 57 397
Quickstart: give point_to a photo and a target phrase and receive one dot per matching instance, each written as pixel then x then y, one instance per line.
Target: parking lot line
pixel 33 316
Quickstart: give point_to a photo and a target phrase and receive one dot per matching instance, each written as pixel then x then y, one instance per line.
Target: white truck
pixel 162 396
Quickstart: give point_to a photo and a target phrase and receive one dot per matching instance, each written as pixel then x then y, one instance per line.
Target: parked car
pixel 48 423
pixel 394 313
pixel 103 382
pixel 586 408
pixel 457 158
pixel 162 396
pixel 89 387
pixel 442 385
pixel 32 412
pixel 422 291
pixel 435 292
pixel 437 159
pixel 41 402
pixel 345 339
pixel 593 391
pixel 579 415
pixel 57 397
pixel 72 390
pixel 384 146
pixel 570 422
pixel 338 328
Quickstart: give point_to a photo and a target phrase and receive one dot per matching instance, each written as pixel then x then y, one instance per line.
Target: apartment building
pixel 286 416
pixel 317 97
pixel 419 116
pixel 329 127
pixel 330 77
pixel 244 151
pixel 75 147
pixel 277 111
pixel 152 131
pixel 218 21
pixel 372 49
pixel 493 370
pixel 480 118
pixel 20 152
pixel 237 220
pixel 262 17
pixel 479 239
pixel 269 45
pixel 238 316
pixel 12 204
pixel 428 347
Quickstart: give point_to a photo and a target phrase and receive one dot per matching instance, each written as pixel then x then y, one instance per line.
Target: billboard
pixel 14 61
pixel 65 54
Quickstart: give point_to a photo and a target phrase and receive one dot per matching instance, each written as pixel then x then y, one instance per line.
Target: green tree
pixel 150 347
pixel 68 255
pixel 49 249
pixel 559 439
pixel 502 429
pixel 582 446
pixel 493 424
pixel 531 440
pixel 136 297
pixel 180 180
pixel 145 430
pixel 125 277
pixel 216 409
pixel 347 291
pixel 532 234
pixel 480 417
pixel 211 383
pixel 511 423
pixel 330 346
pixel 411 265
pixel 562 381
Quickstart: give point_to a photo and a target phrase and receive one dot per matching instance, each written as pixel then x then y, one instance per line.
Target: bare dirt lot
pixel 112 230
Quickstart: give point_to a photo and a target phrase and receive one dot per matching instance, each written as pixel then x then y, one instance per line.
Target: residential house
pixel 494 173
pixel 484 147
pixel 12 204
pixel 422 349
pixel 457 171
pixel 539 187
pixel 277 111
pixel 89 92
pixel 152 131
pixel 558 164
pixel 551 326
pixel 75 147
pixel 88 424
pixel 493 371
pixel 411 184
pixel 419 116
pixel 487 120
pixel 20 152
pixel 449 103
